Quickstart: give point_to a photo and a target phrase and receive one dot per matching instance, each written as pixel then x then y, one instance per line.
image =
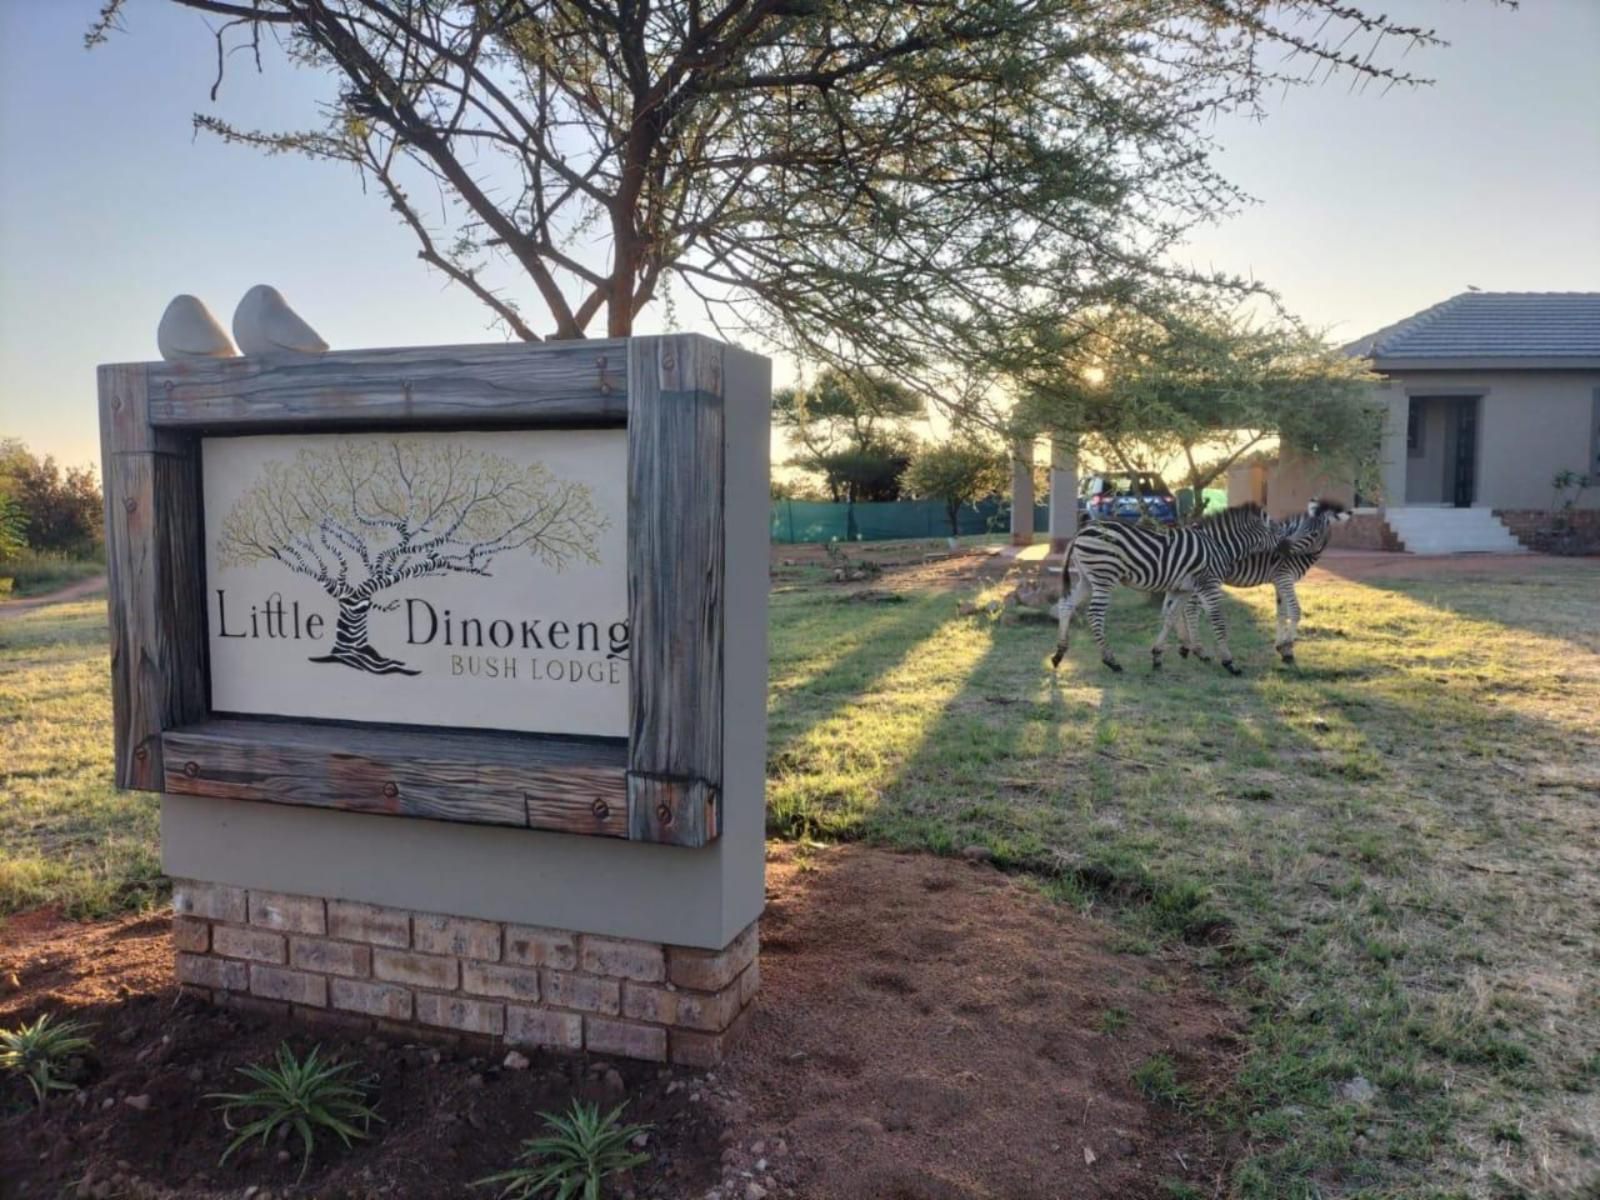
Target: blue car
pixel 1116 497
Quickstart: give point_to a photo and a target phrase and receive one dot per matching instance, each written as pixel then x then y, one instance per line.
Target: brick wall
pixel 359 966
pixel 1363 531
pixel 1534 528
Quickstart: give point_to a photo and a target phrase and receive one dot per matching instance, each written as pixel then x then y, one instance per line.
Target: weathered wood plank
pixel 559 784
pixel 675 591
pixel 151 489
pixel 582 382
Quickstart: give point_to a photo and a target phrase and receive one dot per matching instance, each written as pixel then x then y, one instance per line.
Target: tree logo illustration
pixel 359 517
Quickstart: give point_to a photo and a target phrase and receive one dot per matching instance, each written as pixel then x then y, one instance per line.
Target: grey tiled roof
pixel 1494 325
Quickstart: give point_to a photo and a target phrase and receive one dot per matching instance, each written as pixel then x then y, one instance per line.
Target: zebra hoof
pixel 1113 664
pixel 1288 658
pixel 1183 652
pixel 1227 665
pixel 1055 659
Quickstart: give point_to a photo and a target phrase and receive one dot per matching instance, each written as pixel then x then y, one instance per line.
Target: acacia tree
pixel 1136 389
pixel 899 183
pixel 849 428
pixel 959 471
pixel 360 517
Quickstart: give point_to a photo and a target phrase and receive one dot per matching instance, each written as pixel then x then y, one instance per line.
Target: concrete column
pixel 1022 492
pixel 1392 455
pixel 1063 495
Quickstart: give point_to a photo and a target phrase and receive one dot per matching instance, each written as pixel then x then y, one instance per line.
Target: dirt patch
pixel 930 1029
pixel 81 590
pixel 894 566
pixel 927 1030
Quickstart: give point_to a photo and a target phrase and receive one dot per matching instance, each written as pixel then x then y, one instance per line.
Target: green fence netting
pixel 878 521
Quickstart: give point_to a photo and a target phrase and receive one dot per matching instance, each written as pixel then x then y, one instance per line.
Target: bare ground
pixel 928 1029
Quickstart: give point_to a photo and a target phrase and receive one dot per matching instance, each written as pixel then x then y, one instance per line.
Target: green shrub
pixel 40 1051
pixel 303 1096
pixel 580 1150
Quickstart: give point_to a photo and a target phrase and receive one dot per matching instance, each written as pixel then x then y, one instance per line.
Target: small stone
pixel 284 1156
pixel 613 1083
pixel 515 1061
pixel 1357 1090
pixel 976 853
pixel 249 1192
pixel 13 982
pixel 674 1086
pixel 694 1097
pixel 475 1081
pixel 754 1191
pixel 140 1102
pixel 639 1141
pixel 761 1164
pixel 109 1102
pixel 758 1148
pixel 780 1148
pixel 196 1075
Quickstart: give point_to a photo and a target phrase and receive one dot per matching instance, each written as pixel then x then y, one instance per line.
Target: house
pixel 1488 396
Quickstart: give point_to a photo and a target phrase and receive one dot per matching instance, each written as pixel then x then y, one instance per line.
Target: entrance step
pixel 1452 531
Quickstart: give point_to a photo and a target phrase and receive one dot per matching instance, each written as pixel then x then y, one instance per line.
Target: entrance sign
pixel 484 584
pixel 471 579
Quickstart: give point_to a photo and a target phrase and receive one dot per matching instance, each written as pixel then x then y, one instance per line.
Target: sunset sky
pixel 1371 206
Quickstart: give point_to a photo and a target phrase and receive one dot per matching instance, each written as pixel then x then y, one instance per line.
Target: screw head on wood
pixel 391 790
pixel 191 768
pixel 142 753
pixel 116 404
pixel 600 809
pixel 129 504
pixel 664 814
pixel 669 362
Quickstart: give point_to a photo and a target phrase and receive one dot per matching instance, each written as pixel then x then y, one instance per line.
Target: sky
pixel 1368 207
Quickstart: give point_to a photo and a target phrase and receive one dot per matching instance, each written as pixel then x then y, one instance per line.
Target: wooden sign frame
pixel 661 784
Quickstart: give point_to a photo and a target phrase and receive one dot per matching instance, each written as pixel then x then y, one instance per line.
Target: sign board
pixel 471 579
pixel 485 584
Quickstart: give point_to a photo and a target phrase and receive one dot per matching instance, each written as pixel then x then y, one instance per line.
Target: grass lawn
pixel 66 836
pixel 1386 858
pixel 35 573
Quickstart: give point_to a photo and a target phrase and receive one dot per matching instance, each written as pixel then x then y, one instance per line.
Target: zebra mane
pixel 1231 517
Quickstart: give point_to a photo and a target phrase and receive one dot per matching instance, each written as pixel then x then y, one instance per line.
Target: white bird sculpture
pixel 188 331
pixel 264 324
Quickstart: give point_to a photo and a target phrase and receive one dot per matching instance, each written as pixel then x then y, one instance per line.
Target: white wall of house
pixel 1531 424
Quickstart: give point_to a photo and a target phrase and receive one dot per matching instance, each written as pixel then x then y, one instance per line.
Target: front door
pixel 1463 475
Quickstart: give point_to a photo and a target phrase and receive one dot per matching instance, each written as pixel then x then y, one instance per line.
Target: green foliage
pixel 306 1096
pixel 32 572
pixel 39 1052
pixel 1157 1079
pixel 13 527
pixel 1564 482
pixel 957 472
pixel 1138 388
pixel 572 1160
pixel 61 510
pixel 849 427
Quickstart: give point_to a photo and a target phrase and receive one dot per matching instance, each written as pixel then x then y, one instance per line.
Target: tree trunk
pixel 350 645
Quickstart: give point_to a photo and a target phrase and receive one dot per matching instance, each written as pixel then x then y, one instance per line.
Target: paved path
pixel 81 590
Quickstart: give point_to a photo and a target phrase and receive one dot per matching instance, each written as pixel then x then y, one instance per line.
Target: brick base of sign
pixel 362 967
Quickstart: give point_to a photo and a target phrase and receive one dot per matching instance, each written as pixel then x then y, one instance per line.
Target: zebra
pixel 1193 559
pixel 1305 538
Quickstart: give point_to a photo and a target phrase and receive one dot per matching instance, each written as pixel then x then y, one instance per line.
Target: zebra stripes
pixel 1305 538
pixel 1189 561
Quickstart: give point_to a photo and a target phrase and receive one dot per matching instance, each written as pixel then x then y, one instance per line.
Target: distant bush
pixel 34 571
pixel 60 510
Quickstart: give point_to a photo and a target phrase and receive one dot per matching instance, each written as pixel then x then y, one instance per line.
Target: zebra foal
pixel 1304 539
pixel 1189 561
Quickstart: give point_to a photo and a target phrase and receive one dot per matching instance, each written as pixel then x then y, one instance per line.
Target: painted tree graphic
pixel 361 516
